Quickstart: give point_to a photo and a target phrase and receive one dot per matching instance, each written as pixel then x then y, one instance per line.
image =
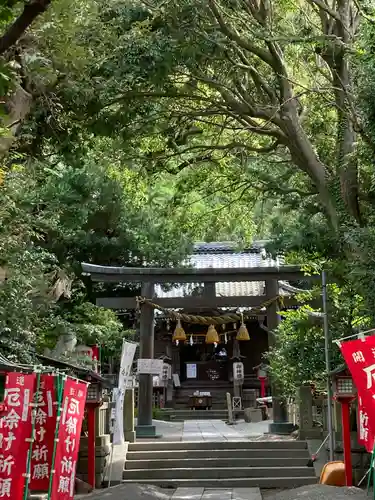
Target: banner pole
pixel 327 340
pixel 59 390
pixel 29 455
pixel 109 468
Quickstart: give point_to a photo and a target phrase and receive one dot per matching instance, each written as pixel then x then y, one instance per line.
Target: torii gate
pixel 148 277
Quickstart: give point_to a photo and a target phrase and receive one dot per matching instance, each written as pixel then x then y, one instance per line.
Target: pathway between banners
pixel 217 430
pixel 214 430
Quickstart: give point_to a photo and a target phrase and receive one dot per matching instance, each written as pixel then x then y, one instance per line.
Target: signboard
pixel 167 372
pixel 15 434
pixel 150 366
pixel 238 371
pixel 176 380
pixel 191 370
pixel 73 409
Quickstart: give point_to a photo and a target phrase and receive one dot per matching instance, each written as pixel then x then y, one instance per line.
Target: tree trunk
pixel 304 156
pixel 31 11
pixel 18 107
pixel 346 137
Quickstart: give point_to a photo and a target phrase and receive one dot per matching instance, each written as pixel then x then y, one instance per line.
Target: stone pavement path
pixel 209 430
pixel 218 494
pixel 148 492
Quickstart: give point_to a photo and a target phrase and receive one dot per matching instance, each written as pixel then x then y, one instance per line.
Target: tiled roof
pixel 224 255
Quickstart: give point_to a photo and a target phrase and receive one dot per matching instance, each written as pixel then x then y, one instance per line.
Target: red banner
pixel 44 433
pixel 15 434
pixel 365 436
pixel 359 356
pixel 73 407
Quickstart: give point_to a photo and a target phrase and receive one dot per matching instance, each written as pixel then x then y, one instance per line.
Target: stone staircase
pixel 170 414
pixel 222 464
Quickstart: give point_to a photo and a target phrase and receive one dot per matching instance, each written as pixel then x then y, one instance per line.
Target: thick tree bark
pixel 340 23
pixel 18 107
pixel 305 158
pixel 31 11
pixel 346 136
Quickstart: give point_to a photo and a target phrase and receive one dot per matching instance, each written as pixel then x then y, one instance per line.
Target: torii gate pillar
pixel 144 426
pixel 280 423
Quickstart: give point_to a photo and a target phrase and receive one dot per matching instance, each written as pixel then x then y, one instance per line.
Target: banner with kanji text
pixel 359 356
pixel 67 446
pixel 365 436
pixel 15 434
pixel 45 407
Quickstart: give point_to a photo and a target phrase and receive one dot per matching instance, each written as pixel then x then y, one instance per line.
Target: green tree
pixel 299 355
pixel 257 74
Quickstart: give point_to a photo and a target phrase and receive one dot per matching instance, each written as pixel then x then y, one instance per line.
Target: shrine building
pixel 200 363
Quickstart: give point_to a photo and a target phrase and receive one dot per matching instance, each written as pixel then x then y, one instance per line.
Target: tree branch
pixel 232 34
pixel 155 95
pixel 31 11
pixel 323 6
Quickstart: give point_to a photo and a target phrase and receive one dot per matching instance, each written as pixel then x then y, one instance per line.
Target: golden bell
pixel 179 333
pixel 212 336
pixel 242 333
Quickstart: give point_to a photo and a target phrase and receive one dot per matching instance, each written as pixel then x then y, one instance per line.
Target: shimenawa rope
pixel 207 320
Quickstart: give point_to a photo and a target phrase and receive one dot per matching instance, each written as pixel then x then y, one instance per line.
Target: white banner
pixel 124 382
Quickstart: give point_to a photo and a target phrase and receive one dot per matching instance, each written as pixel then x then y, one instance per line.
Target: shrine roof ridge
pixel 191 274
pixel 228 247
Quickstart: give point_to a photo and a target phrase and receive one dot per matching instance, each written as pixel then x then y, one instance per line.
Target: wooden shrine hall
pixel 233 291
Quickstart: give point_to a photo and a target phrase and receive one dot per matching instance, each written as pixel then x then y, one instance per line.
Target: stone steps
pixel 186 414
pixel 227 472
pixel 217 445
pixel 179 455
pixel 217 404
pixel 255 482
pixel 219 464
pixel 196 463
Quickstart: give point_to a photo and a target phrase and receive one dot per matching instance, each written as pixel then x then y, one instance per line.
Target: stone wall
pixel 103 450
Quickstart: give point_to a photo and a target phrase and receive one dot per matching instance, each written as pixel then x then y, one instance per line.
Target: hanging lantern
pixel 212 336
pixel 179 334
pixel 242 333
pixel 191 341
